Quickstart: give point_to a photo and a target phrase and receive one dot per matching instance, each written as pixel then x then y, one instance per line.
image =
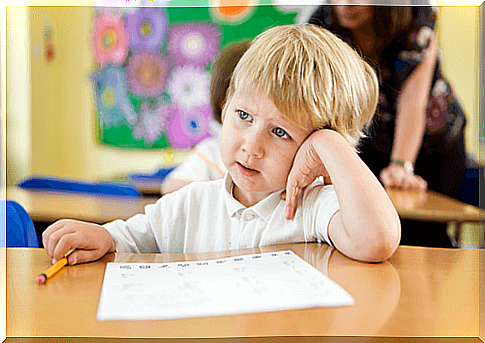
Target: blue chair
pixel 20 231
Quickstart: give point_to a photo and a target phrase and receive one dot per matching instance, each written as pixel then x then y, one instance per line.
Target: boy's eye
pixel 281 133
pixel 244 116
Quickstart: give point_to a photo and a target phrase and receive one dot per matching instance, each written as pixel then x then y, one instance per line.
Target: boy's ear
pixel 223 103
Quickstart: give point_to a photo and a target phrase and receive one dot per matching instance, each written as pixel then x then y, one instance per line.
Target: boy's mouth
pixel 246 170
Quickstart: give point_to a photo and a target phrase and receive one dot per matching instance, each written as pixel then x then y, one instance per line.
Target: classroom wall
pixel 51 120
pixel 3 110
pixel 60 112
pixel 458 35
pixel 17 94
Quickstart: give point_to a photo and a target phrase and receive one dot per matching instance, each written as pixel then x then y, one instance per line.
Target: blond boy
pixel 295 109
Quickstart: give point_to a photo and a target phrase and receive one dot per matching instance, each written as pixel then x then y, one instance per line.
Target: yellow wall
pixel 3 78
pixel 17 94
pixel 60 113
pixel 61 140
pixel 458 36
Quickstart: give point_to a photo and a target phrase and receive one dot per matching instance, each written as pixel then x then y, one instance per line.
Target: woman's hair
pixel 222 69
pixel 389 22
pixel 315 79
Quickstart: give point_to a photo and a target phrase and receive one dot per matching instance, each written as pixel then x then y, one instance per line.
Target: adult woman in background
pixel 416 138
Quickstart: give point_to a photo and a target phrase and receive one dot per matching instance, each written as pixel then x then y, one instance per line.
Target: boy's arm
pixel 367 227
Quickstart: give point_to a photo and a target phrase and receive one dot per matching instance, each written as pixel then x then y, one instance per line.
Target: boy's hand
pixel 307 166
pixel 91 241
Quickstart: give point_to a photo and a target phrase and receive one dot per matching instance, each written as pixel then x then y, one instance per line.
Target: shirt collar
pixel 264 209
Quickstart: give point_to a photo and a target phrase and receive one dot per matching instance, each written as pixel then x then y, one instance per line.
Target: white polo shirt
pixel 205 217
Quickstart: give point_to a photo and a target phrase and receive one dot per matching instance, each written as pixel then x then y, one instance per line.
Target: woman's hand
pixel 395 176
pixel 307 166
pixel 90 241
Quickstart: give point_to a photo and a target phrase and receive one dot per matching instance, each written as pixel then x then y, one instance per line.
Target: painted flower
pixel 151 123
pixel 147 73
pixel 193 43
pixel 188 127
pixel 189 87
pixel 109 40
pixel 224 11
pixel 110 91
pixel 146 28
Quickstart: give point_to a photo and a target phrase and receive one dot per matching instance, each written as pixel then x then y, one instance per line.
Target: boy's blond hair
pixel 313 78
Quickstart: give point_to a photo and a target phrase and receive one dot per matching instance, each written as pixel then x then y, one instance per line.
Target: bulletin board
pixel 152 69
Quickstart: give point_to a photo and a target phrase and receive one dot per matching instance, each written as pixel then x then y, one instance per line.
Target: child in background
pixel 294 112
pixel 204 162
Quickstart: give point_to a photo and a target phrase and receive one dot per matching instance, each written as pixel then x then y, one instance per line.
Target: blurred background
pixel 51 109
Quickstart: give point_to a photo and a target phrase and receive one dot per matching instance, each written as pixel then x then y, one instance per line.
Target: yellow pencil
pixel 42 278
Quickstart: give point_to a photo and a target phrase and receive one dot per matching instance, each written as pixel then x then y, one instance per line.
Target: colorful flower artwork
pixel 151 123
pixel 152 67
pixel 189 87
pixel 146 28
pixel 113 105
pixel 188 127
pixel 147 72
pixel 223 11
pixel 109 40
pixel 193 43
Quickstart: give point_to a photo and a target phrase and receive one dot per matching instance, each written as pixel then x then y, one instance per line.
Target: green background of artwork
pixel 261 18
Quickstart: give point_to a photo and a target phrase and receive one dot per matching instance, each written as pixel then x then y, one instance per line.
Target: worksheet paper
pixel 265 282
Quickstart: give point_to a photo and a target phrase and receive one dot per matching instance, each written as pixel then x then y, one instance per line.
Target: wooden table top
pixel 432 206
pixel 418 292
pixel 51 206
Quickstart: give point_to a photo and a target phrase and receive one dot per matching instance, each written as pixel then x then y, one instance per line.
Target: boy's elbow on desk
pixel 383 243
pixel 377 244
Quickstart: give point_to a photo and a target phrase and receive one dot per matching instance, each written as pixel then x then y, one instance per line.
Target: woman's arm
pixel 367 227
pixel 411 123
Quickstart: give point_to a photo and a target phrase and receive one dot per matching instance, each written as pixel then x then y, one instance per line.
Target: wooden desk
pixel 419 292
pixel 431 206
pixel 47 207
pixel 51 206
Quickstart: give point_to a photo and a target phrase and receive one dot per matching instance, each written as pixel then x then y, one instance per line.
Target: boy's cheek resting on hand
pixel 90 240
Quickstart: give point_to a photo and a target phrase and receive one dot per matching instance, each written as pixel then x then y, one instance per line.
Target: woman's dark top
pixel 445 119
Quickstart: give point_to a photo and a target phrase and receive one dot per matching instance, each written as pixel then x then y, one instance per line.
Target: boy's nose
pixel 254 146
